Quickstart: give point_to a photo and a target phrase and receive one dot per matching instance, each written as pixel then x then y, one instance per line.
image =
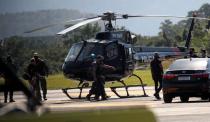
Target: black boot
pixel 96 97
pixel 104 98
pixel 157 96
pixel 5 101
pixel 11 100
pixel 44 97
pixel 88 97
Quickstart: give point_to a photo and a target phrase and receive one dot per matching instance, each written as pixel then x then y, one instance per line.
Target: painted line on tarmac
pixel 181 111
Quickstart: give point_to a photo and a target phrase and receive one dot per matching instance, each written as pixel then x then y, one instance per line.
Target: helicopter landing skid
pixel 113 89
pixel 65 91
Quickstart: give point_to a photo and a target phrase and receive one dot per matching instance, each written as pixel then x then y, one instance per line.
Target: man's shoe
pixel 88 97
pixel 11 101
pixel 157 96
pixel 96 98
pixel 104 98
pixel 44 97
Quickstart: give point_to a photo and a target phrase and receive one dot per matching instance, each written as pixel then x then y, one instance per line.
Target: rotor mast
pixel 109 17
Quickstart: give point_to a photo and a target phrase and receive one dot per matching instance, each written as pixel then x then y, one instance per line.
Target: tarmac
pixel 196 110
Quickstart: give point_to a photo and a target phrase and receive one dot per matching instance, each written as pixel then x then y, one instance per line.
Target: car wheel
pixel 167 98
pixel 184 99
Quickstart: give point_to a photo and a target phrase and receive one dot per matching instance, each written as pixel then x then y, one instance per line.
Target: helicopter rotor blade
pixel 94 19
pixel 54 24
pixel 125 16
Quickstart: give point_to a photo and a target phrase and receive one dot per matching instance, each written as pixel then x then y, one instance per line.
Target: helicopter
pixel 116 46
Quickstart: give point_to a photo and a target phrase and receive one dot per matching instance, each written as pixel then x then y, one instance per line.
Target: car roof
pixel 189 64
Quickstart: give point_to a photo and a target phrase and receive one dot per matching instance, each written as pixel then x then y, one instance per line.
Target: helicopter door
pixel 113 56
pixel 129 62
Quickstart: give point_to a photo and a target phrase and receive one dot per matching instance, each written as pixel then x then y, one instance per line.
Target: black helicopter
pixel 116 47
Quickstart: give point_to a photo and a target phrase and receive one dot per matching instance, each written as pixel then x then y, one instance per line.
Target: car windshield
pixel 188 64
pixel 89 48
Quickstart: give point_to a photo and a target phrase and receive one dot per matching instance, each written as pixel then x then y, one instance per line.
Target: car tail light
pixel 169 76
pixel 205 75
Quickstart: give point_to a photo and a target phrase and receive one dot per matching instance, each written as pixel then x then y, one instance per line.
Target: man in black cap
pixel 41 70
pixel 157 73
pixel 99 69
pixel 192 53
pixel 203 53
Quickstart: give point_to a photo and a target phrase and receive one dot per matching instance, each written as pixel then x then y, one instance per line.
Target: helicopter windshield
pixel 89 48
pixel 73 52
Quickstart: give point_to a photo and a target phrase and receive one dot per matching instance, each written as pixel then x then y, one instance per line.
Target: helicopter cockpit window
pixel 86 52
pixel 73 52
pixel 112 51
pixel 89 48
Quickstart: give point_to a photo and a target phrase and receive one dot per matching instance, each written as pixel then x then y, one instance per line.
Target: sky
pixel 148 26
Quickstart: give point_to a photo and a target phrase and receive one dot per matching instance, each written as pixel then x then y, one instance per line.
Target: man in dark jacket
pixel 8 83
pixel 43 71
pixel 31 77
pixel 39 69
pixel 99 69
pixel 192 53
pixel 203 53
pixel 157 73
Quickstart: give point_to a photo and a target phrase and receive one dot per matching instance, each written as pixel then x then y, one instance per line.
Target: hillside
pixel 12 24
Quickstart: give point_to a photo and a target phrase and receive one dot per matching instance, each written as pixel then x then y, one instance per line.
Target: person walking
pixel 30 75
pixel 99 69
pixel 157 73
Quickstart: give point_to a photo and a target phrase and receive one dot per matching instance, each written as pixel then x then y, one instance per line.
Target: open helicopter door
pixel 129 60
